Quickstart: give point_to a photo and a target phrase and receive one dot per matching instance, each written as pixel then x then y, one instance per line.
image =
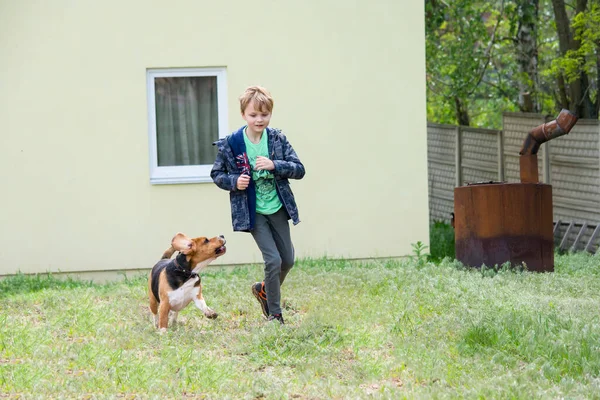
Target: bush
pixel 441 241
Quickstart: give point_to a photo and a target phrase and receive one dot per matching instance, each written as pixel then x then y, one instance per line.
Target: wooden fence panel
pixel 515 129
pixel 441 151
pixel 575 173
pixel 480 154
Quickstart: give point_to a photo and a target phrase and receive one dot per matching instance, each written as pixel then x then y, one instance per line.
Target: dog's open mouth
pixel 221 250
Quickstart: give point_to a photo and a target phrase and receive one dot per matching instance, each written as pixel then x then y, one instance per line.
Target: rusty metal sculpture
pixel 497 223
pixel 528 164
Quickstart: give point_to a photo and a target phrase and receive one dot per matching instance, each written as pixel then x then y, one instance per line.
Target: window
pixel 187 112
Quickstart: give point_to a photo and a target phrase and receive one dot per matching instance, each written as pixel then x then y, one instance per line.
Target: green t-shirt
pixel 267 201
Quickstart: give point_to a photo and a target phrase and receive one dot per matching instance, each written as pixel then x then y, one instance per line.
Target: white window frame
pixel 184 173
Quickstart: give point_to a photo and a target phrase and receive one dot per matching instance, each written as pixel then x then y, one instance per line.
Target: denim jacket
pixel 230 164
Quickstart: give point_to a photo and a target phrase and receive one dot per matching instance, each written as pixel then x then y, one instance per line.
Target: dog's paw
pixel 211 314
pixel 162 331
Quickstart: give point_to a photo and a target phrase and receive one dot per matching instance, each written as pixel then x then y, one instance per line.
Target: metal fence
pixel 458 155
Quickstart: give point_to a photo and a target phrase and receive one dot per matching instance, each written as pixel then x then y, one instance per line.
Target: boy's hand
pixel 264 163
pixel 243 182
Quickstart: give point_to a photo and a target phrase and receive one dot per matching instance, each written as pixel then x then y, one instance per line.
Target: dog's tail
pixel 168 253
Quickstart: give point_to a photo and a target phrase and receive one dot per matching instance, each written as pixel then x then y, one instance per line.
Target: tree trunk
pixel 562 92
pixel 597 105
pixel 527 54
pixel 562 25
pixel 462 115
pixel 579 96
pixel 585 102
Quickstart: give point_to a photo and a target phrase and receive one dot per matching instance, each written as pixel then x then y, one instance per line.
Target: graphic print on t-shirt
pixel 267 200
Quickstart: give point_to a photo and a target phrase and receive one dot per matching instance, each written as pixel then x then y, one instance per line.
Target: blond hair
pixel 260 96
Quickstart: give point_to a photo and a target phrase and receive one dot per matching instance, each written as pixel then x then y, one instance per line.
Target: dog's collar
pixel 182 266
pixel 181 261
pixel 190 275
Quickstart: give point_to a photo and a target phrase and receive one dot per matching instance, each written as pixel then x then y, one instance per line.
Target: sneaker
pixel 276 317
pixel 258 290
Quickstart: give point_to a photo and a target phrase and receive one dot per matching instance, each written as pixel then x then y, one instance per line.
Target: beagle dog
pixel 174 283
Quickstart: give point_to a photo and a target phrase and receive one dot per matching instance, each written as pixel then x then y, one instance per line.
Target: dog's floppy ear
pixel 182 243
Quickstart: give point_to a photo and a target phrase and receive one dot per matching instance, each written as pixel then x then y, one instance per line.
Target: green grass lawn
pixel 396 329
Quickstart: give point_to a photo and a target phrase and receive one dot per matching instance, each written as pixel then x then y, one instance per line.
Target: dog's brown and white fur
pixel 174 283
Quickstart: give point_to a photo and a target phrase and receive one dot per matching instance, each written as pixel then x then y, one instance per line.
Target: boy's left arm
pixel 290 167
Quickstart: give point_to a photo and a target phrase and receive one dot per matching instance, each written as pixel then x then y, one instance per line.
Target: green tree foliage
pixel 465 75
pixel 488 57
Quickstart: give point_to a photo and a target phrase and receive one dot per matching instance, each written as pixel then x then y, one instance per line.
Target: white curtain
pixel 186 120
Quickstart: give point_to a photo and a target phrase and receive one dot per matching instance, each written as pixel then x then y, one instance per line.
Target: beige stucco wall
pixel 349 85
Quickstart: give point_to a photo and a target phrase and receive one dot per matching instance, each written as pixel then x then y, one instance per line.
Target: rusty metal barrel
pixel 504 222
pixel 496 223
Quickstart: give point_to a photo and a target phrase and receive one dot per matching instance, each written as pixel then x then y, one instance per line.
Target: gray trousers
pixel 272 235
